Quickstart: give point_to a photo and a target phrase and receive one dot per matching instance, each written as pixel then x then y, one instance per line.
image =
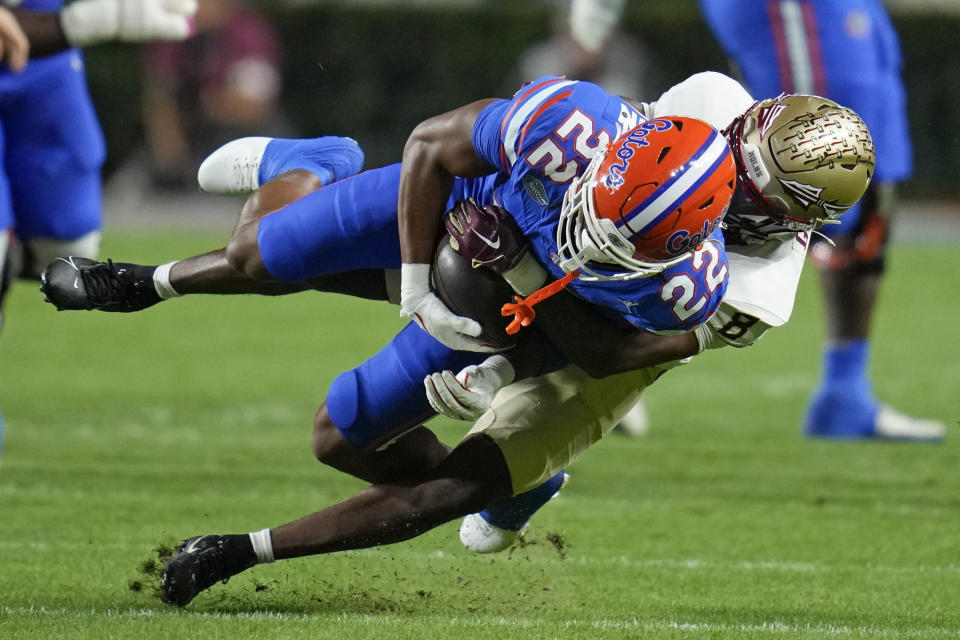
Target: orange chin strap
pixel 522 310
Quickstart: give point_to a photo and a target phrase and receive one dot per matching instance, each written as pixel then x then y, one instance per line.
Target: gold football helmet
pixel 801 162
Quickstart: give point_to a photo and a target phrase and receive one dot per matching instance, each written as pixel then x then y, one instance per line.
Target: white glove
pixel 87 22
pixel 468 394
pixel 419 303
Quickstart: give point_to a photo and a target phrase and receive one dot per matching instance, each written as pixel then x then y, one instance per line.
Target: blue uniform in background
pixel 847 51
pixel 52 147
pixel 537 142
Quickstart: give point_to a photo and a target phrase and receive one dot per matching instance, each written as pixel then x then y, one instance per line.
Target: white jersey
pixel 763 278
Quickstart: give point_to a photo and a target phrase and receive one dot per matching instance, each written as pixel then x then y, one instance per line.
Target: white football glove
pixel 468 394
pixel 87 22
pixel 421 305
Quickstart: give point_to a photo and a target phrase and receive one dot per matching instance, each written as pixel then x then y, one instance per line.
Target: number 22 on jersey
pixel 681 290
pixel 557 166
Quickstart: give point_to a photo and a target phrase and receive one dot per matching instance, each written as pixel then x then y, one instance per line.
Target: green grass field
pixel 124 432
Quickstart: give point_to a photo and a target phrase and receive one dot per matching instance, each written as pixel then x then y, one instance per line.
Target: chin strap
pixel 522 309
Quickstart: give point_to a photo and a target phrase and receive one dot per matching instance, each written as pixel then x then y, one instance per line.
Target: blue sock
pixel 843 405
pixel 513 513
pixel 331 158
pixel 845 360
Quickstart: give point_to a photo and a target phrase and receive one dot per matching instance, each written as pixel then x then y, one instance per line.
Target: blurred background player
pixel 50 140
pixel 588 44
pixel 223 83
pixel 849 52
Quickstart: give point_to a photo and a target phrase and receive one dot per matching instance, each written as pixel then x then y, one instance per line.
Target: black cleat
pixel 73 283
pixel 200 563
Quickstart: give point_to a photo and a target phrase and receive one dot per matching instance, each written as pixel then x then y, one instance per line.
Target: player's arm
pixel 437 150
pixel 599 349
pixel 603 347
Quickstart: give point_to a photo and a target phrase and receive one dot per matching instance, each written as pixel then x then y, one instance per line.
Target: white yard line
pixel 622 561
pixel 767 628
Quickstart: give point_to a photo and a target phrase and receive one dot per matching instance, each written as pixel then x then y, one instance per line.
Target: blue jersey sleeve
pixel 486 133
pixel 503 127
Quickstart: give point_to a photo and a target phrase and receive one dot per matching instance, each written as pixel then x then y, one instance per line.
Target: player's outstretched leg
pixel 503 524
pixel 474 474
pixel 241 166
pixel 82 284
pixel 201 562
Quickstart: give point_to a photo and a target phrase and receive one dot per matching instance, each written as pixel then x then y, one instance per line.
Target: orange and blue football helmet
pixel 647 201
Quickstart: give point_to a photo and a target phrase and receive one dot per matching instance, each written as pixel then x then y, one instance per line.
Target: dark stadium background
pixel 372 70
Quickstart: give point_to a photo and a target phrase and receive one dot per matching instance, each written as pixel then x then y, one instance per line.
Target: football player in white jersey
pixel 533 428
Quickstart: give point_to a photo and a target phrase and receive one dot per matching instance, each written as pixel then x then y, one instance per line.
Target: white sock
pixel 161 281
pixel 262 546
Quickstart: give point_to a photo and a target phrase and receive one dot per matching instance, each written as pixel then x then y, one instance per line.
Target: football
pixel 475 293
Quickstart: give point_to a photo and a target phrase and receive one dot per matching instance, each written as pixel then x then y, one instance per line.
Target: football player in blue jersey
pixel 848 52
pixel 541 424
pixel 650 251
pixel 523 153
pixel 51 142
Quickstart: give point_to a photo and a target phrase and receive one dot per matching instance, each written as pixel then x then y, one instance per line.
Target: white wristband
pixel 414 279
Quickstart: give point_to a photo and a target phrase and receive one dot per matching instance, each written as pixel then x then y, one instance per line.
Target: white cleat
pixel 480 536
pixel 891 424
pixel 234 168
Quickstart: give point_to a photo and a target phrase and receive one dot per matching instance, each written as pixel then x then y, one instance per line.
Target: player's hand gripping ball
pixel 487 236
pixel 475 293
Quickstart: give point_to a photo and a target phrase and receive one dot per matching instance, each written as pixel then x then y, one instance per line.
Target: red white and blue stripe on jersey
pixel 682 183
pixel 534 99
